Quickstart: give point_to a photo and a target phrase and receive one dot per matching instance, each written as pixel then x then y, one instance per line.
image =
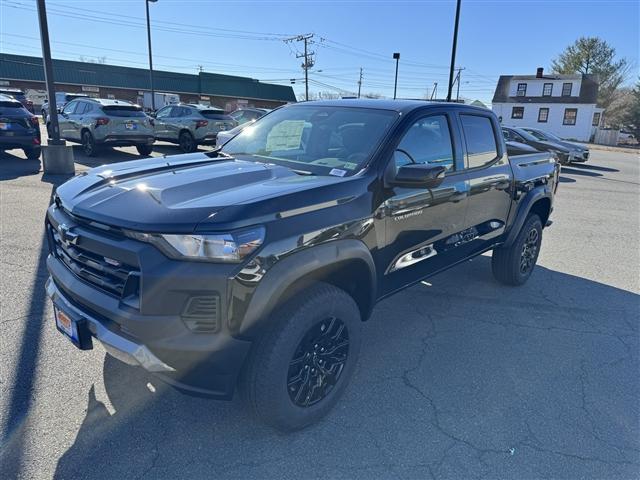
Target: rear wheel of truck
pixel 187 142
pixel 513 265
pixel 299 368
pixel 144 149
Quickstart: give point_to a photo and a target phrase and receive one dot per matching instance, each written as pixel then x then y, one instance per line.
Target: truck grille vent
pixel 107 274
pixel 202 313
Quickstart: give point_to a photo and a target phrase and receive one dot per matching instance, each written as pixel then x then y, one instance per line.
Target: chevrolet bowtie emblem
pixel 67 236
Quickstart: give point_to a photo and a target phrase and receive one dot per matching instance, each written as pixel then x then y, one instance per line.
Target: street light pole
pixel 396 56
pixel 153 93
pixel 453 50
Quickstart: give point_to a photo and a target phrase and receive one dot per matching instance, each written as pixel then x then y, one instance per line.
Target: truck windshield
pixel 320 140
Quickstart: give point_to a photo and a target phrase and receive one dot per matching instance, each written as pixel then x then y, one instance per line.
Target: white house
pixel 565 105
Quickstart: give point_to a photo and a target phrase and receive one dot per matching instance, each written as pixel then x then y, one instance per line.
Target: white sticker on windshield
pixel 286 135
pixel 336 172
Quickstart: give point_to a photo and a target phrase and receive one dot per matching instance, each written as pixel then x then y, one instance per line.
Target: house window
pixel 522 89
pixel 570 115
pixel 596 119
pixel 547 88
pixel 517 112
pixel 543 115
pixel 566 89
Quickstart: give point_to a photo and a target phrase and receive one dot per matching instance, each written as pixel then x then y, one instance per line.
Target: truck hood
pixel 191 192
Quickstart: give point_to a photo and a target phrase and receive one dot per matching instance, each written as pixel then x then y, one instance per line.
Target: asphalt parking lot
pixel 458 378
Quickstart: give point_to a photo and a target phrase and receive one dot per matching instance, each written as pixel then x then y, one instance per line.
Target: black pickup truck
pixel 255 266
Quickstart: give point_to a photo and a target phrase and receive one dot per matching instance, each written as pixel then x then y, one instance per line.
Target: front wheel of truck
pixel 513 265
pixel 301 366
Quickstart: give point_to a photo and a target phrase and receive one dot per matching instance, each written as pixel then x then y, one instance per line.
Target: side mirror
pixel 419 175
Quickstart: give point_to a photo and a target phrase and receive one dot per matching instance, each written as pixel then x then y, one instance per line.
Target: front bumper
pixel 579 157
pixel 148 327
pixel 118 346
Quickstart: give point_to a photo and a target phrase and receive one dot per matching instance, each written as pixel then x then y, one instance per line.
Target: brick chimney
pixel 539 72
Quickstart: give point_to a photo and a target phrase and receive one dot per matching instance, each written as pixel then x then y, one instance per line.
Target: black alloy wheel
pixel 318 362
pixel 529 251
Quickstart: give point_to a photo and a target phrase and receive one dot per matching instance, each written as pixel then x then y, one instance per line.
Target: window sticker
pixel 286 135
pixel 349 165
pixel 336 172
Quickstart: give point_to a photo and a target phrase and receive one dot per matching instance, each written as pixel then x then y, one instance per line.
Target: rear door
pixel 174 122
pixel 489 174
pixel 421 223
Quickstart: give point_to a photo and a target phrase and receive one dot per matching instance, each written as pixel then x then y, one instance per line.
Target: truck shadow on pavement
pixel 458 382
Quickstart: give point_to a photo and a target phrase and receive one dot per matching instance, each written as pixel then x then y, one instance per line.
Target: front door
pixel 160 123
pixel 423 225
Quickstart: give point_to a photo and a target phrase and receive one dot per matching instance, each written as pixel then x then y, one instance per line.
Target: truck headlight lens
pixel 219 247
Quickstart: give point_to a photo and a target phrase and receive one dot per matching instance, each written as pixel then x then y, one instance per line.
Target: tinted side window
pixel 480 140
pixel 427 141
pixel 82 108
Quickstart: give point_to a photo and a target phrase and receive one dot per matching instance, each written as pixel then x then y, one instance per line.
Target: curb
pixel 594 146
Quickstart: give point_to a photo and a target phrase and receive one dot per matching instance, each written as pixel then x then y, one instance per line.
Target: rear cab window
pixel 480 139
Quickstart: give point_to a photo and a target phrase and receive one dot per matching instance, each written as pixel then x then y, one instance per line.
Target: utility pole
pixel 153 93
pixel 360 82
pixel 396 57
pixel 434 92
pixel 453 50
pixel 308 58
pixel 200 68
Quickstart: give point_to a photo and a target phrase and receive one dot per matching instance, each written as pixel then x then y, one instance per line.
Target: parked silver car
pixel 99 121
pixel 248 114
pixel 191 125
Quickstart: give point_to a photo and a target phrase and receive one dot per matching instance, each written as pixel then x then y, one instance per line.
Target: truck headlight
pixel 216 247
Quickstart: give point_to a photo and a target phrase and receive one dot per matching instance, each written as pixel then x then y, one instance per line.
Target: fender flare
pixel 524 207
pixel 289 270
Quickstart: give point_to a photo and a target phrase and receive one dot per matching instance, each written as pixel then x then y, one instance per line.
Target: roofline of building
pixel 142 89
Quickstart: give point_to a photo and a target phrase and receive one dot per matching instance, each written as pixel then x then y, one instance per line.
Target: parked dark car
pixel 577 152
pixel 18 95
pixel 257 264
pixel 520 135
pixel 517 148
pixel 19 128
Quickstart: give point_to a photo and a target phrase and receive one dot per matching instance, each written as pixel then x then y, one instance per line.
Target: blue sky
pixel 246 38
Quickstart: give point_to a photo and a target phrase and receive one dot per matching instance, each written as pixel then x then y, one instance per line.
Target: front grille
pixel 202 313
pixel 112 276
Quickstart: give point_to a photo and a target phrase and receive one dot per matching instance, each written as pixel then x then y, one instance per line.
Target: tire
pixel 144 149
pixel 513 265
pixel 281 355
pixel 32 153
pixel 88 144
pixel 187 142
